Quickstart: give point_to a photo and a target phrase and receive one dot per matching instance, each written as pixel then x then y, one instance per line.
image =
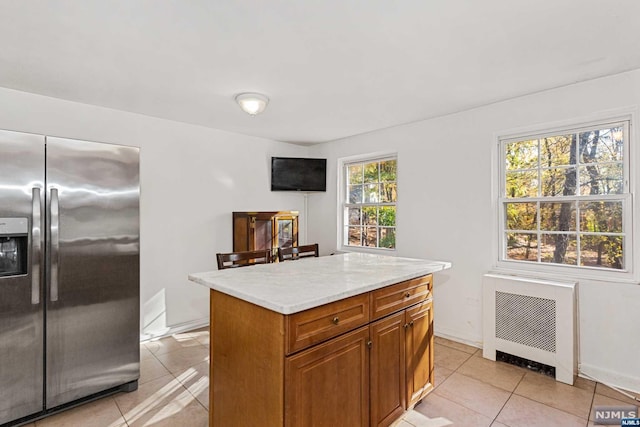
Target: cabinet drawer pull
pixel 336 320
pixel 411 323
pixel 407 295
pixel 369 343
pixel 406 326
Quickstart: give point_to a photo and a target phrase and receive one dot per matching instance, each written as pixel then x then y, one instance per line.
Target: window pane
pixel 522 184
pixel 389 192
pixel 602 145
pixel 370 236
pixel 601 251
pixel 369 186
pixel 355 194
pixel 369 215
pixel 387 216
pixel 559 182
pixel 522 155
pixel 354 216
pixel 558 216
pixel 569 216
pixel 371 172
pixel 601 179
pixel 388 171
pixel 603 217
pixel 521 216
pixel 522 247
pixel 558 249
pixel 387 238
pixel 371 193
pixel 355 174
pixel 354 234
pixel 556 151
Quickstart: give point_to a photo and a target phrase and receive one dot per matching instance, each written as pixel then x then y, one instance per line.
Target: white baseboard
pixel 454 337
pixel 609 378
pixel 175 329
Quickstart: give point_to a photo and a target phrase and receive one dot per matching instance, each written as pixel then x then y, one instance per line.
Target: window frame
pixel 630 164
pixel 343 204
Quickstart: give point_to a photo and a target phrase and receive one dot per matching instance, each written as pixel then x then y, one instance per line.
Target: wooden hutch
pixel 265 230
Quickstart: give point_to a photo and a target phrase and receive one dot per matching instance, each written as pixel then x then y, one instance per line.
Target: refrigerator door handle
pixel 36 241
pixel 55 244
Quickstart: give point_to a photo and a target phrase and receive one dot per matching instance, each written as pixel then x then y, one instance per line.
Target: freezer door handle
pixel 36 241
pixel 55 245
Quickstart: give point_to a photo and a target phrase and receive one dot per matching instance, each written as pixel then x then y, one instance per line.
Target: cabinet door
pixel 328 385
pixel 262 234
pixel 419 351
pixel 284 233
pixel 388 392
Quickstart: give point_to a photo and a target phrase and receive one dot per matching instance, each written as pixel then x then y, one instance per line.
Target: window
pixel 369 203
pixel 565 198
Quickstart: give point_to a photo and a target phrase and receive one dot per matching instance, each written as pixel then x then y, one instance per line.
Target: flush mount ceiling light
pixel 252 103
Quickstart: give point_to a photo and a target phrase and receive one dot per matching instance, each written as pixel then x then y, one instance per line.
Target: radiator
pixel 531 318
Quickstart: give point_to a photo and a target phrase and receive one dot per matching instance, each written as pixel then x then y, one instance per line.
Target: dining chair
pixel 243 259
pixel 297 252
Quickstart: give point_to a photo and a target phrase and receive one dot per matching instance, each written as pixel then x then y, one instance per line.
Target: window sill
pixel 564 273
pixel 366 250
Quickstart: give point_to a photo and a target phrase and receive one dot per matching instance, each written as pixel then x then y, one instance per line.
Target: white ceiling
pixel 332 68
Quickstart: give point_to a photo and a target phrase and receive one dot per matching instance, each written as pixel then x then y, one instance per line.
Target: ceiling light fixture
pixel 252 103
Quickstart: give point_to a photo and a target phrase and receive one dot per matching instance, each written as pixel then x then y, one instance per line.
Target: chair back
pixel 293 253
pixel 243 259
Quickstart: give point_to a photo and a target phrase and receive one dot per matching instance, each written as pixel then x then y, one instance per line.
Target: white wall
pixel 191 179
pixel 445 211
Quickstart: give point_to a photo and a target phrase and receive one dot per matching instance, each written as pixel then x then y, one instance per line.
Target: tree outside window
pixel 370 205
pixel 565 197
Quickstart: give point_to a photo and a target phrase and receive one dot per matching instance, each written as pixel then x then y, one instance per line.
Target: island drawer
pixel 318 324
pixel 401 295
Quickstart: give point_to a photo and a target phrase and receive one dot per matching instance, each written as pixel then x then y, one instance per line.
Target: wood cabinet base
pixel 364 376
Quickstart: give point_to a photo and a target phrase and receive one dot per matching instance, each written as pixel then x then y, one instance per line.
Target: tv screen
pixel 298 174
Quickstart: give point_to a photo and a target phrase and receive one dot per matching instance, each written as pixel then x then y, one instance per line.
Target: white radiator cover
pixel 531 318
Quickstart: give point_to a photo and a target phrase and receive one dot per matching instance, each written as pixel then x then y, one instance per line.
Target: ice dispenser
pixel 14 241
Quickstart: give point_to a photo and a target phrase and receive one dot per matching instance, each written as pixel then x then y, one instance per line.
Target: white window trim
pixel 632 166
pixel 341 194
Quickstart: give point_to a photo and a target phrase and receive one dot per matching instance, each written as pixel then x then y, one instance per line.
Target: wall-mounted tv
pixel 298 174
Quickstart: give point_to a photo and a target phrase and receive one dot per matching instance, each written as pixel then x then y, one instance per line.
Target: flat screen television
pixel 298 174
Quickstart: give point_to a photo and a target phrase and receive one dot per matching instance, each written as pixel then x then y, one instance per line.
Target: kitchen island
pixel 343 340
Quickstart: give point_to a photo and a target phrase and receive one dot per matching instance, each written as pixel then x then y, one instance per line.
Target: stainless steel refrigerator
pixel 69 273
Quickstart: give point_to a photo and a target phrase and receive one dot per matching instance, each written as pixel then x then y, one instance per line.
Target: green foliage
pixel 388 240
pixel 388 171
pixel 586 164
pixel 521 155
pixel 387 216
pixel 371 172
pixel 354 174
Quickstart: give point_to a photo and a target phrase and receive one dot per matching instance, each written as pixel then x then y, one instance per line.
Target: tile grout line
pixel 513 392
pixel 178 380
pixel 456 371
pixel 593 399
pixel 508 399
pixel 175 377
pixel 552 407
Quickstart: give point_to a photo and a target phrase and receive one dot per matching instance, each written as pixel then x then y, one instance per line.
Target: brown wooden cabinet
pixel 419 351
pixel 388 369
pixel 328 376
pixel 361 361
pixel 402 348
pixel 265 230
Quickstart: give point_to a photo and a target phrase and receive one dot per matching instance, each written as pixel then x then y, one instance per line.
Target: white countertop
pixel 292 286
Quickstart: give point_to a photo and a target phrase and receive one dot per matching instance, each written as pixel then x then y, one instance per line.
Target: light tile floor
pixel 470 391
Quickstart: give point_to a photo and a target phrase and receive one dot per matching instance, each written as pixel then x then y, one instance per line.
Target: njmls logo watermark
pixel 616 415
